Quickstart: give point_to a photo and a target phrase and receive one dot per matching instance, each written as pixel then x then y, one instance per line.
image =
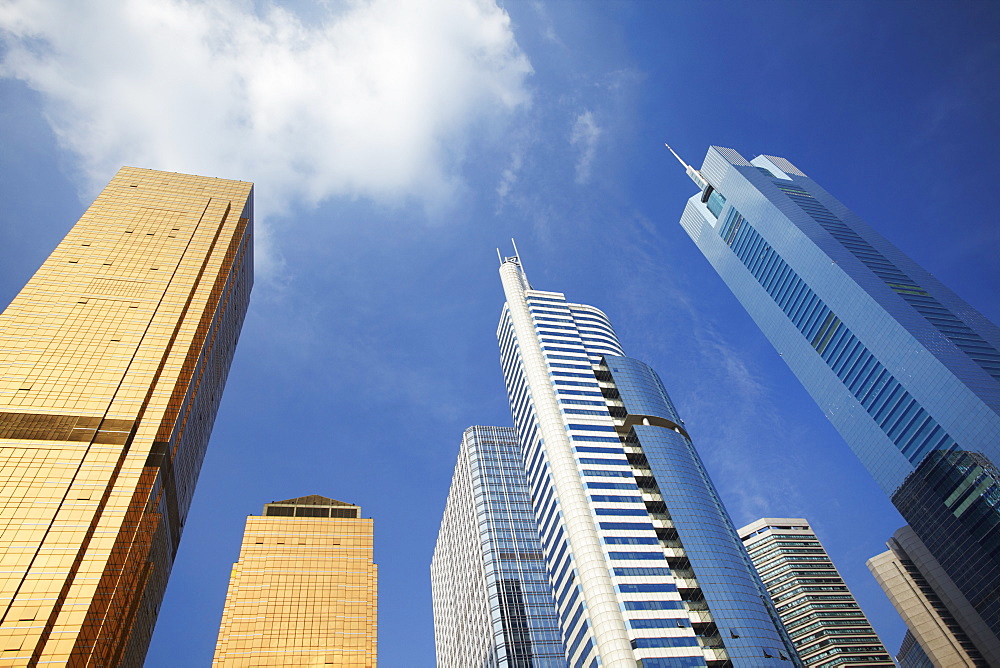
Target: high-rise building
pixel 644 561
pixel 819 612
pixel 942 626
pixel 493 603
pixel 304 591
pixel 907 372
pixel 911 654
pixel 113 360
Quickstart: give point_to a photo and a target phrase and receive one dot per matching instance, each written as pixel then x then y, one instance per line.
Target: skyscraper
pixel 819 612
pixel 643 558
pixel 493 603
pixel 304 591
pixel 113 360
pixel 925 597
pixel 907 372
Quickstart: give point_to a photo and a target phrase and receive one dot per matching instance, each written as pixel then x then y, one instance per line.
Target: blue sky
pixel 395 144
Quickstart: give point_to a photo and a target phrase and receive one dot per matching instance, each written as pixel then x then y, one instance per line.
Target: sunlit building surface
pixel 644 561
pixel 820 614
pixel 493 603
pixel 907 371
pixel 942 626
pixel 113 360
pixel 304 591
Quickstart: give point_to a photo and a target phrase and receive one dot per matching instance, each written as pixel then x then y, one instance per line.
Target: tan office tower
pixel 304 592
pixel 112 362
pixel 944 629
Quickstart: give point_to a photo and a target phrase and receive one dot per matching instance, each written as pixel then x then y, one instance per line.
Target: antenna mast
pixel 520 264
pixel 692 173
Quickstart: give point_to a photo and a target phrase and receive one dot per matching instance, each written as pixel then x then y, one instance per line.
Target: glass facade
pixel 492 599
pixel 304 591
pixel 113 360
pixel 818 611
pixel 644 561
pixel 903 368
pixel 911 654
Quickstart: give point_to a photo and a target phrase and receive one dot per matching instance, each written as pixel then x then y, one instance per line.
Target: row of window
pixel 595 439
pixel 661 623
pixel 561 373
pixel 654 605
pixel 967 340
pixel 641 571
pixel 630 486
pixel 606 498
pixel 631 540
pixel 897 413
pixel 604 462
pixel 637 556
pixel 605 474
pixel 674 662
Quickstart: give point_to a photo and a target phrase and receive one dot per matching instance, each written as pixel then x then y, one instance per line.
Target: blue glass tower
pixel 644 561
pixel 906 371
pixel 492 599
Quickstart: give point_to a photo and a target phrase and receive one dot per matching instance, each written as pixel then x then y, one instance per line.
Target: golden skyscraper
pixel 304 591
pixel 112 363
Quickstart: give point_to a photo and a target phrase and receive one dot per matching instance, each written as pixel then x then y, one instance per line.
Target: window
pixel 715 202
pixel 646 588
pixel 669 623
pixel 647 571
pixel 653 605
pixel 637 556
pixel 628 526
pixel 631 540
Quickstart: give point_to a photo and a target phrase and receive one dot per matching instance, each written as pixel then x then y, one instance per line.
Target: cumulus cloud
pixel 372 99
pixel 585 134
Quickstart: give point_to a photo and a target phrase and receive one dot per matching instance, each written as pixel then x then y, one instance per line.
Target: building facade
pixel 493 603
pixel 819 612
pixel 113 360
pixel 304 591
pixel 643 558
pixel 911 654
pixel 925 597
pixel 907 372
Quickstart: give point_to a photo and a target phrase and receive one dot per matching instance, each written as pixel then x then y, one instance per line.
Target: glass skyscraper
pixel 490 588
pixel 644 561
pixel 905 369
pixel 113 359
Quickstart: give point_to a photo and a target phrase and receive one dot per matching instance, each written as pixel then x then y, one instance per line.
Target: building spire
pixel 517 254
pixel 515 259
pixel 693 173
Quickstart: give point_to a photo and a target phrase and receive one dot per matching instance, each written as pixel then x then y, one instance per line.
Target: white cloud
pixel 508 177
pixel 371 99
pixel 585 134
